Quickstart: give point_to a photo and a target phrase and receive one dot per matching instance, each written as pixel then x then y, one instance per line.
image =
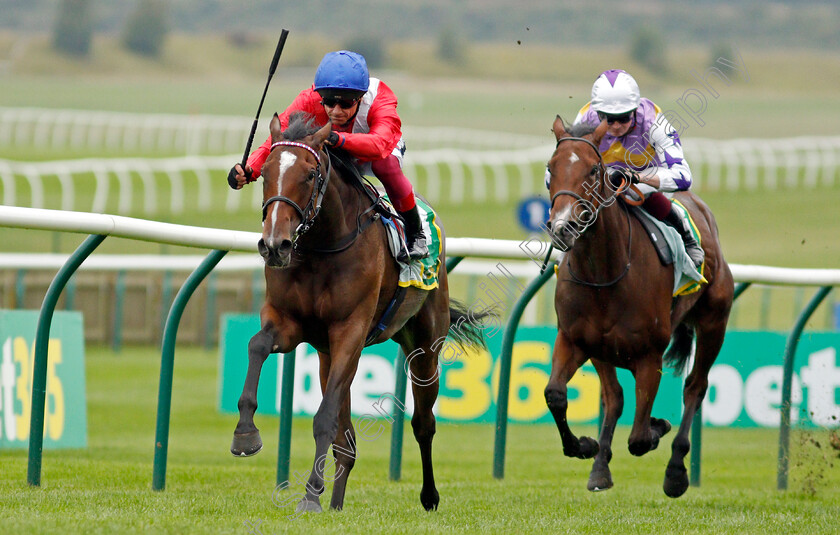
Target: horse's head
pixel 294 182
pixel 577 186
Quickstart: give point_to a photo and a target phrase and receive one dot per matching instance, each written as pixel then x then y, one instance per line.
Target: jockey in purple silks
pixel 640 144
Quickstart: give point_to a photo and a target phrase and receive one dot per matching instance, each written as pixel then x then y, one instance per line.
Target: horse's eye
pixel 311 176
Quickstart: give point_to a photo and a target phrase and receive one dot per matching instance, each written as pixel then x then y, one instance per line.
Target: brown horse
pixel 614 305
pixel 329 280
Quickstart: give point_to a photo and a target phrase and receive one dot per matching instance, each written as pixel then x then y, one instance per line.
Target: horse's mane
pixel 301 124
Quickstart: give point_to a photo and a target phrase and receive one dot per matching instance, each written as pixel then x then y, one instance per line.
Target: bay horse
pixel 614 306
pixel 329 279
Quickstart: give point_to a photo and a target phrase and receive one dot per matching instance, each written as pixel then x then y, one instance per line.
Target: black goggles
pixel 343 103
pixel 623 118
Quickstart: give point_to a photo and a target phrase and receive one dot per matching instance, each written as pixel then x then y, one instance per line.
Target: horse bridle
pixel 313 207
pixel 621 189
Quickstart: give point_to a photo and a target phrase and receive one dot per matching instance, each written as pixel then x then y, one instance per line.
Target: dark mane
pixel 580 129
pixel 301 124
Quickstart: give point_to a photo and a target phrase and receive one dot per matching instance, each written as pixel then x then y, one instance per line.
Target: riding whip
pixel 273 67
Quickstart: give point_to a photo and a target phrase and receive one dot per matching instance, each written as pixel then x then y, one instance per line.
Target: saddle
pixel 670 251
pixel 657 237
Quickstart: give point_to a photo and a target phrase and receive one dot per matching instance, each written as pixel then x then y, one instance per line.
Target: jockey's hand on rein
pixel 237 171
pixel 619 173
pixel 332 139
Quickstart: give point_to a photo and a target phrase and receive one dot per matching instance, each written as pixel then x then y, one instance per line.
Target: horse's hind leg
pixel 646 431
pixel 600 477
pixel 344 452
pixel 423 364
pixel 566 360
pixel 246 436
pixel 709 342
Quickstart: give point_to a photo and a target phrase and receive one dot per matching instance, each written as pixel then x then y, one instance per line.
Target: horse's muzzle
pixel 563 234
pixel 276 256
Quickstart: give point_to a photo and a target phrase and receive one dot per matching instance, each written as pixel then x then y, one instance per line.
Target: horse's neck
pixel 338 211
pixel 601 251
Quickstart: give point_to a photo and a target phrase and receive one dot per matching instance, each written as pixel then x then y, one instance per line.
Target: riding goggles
pixel 344 104
pixel 623 118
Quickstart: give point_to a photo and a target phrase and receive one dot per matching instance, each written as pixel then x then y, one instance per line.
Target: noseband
pixel 313 207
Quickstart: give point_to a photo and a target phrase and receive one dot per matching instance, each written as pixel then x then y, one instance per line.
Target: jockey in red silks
pixel 363 113
pixel 641 145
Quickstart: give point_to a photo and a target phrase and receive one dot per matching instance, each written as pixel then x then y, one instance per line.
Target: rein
pixel 621 189
pixel 313 207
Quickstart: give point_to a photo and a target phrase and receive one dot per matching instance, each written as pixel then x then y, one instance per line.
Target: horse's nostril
pixel 285 245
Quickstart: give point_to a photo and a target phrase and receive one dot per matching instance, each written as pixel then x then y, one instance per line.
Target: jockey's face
pixel 337 112
pixel 619 129
pixel 619 125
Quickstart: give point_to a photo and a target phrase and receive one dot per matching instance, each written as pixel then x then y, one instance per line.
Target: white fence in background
pixel 452 164
pixel 190 135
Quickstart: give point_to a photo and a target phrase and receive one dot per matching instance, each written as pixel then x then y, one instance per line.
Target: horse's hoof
pixel 660 426
pixel 430 500
pixel 599 482
pixel 676 481
pixel 588 448
pixel 246 444
pixel 306 506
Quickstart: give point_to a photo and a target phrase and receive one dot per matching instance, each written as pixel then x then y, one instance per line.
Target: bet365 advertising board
pixel 744 385
pixel 65 419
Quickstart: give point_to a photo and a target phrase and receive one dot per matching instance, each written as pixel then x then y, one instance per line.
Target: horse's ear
pixel 276 129
pixel 319 137
pixel 599 132
pixel 559 128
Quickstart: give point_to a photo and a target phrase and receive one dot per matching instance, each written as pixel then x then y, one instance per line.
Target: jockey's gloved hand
pixel 332 139
pixel 619 174
pixel 238 177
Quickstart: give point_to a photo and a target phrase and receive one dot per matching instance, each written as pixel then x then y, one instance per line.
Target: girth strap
pixel 387 316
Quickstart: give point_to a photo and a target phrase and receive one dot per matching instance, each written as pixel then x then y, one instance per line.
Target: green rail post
pixel 167 362
pixel 398 414
pixel 787 380
pixel 119 301
pixel 504 365
pixel 400 385
pixel 697 422
pixel 42 338
pixel 70 294
pixel 165 300
pixel 210 310
pixel 287 390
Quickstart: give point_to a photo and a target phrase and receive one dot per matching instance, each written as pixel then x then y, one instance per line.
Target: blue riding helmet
pixel 342 74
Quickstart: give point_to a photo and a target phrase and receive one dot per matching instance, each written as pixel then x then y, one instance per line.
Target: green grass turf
pixel 106 488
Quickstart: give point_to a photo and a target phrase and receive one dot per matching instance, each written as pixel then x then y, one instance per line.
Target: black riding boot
pixel 676 219
pixel 415 239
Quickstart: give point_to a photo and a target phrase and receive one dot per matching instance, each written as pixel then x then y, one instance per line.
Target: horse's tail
pixel 466 326
pixel 679 350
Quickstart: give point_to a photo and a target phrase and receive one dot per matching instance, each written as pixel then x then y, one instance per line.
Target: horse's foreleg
pixel 344 452
pixel 709 342
pixel 246 436
pixel 646 431
pixel 423 364
pixel 566 360
pixel 612 396
pixel 336 381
